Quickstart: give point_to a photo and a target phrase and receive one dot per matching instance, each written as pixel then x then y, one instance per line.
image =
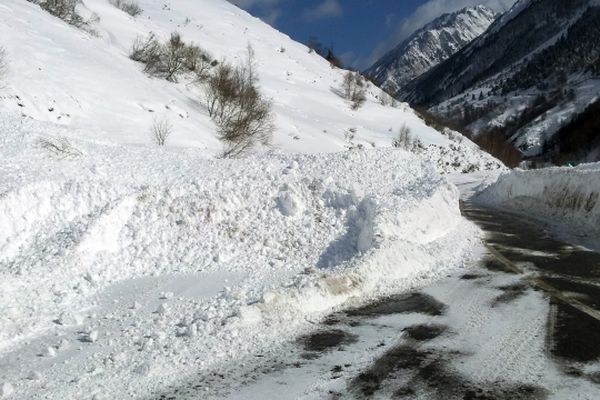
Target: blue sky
pixel 360 30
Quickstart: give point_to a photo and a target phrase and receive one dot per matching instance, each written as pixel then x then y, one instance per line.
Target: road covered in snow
pixel 500 330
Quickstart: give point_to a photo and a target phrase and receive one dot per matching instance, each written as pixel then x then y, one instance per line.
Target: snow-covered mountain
pixel 430 45
pixel 534 69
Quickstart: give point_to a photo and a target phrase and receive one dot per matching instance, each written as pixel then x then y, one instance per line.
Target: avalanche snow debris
pixel 360 216
pixel 6 390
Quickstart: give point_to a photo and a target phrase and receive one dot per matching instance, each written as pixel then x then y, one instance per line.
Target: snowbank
pixel 125 268
pixel 567 197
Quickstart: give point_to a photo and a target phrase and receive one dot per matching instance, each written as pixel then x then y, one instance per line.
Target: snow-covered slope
pixel 60 74
pixel 430 45
pixel 64 75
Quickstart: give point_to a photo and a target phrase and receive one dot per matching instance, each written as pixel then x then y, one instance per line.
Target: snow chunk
pixel 6 390
pixel 34 376
pixel 70 318
pixel 166 295
pixel 50 352
pixel 91 336
pixel 288 203
pixel 162 309
pixel 250 314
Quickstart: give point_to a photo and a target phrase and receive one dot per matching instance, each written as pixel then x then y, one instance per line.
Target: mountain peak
pixel 430 45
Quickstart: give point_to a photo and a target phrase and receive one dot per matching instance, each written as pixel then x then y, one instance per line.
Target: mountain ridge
pixel 430 45
pixel 532 71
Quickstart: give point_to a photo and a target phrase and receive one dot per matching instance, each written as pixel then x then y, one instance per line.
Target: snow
pixel 6 390
pixel 61 74
pixel 130 262
pixel 64 75
pixel 565 198
pixel 126 267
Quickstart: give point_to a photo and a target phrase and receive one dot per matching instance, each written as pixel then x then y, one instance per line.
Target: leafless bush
pixel 198 61
pixel 404 140
pixel 173 57
pixel 3 65
pixel 243 117
pixel 60 148
pixel 161 130
pixel 220 90
pixel 170 59
pixel 63 9
pixel 66 10
pixel 129 6
pixel 145 49
pixel 385 99
pixel 354 89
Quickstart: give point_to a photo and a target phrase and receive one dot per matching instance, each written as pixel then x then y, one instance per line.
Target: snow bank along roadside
pixel 565 197
pixel 126 268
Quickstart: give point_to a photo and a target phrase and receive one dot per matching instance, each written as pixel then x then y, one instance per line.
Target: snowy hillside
pixel 430 45
pixel 60 74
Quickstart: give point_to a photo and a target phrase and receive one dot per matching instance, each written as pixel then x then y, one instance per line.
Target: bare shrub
pixel 220 90
pixel 354 89
pixel 66 10
pixel 243 117
pixel 63 9
pixel 60 148
pixel 144 48
pixel 161 130
pixel 129 6
pixel 3 65
pixel 334 60
pixel 404 140
pixel 173 57
pixel 170 59
pixel 387 100
pixel 198 61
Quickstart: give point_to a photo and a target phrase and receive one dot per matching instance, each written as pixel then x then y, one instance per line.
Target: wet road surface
pixel 497 331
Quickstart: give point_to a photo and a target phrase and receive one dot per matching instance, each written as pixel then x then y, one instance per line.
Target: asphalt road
pixel 521 324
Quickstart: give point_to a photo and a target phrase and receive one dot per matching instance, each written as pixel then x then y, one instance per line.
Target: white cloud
pixel 427 13
pixel 327 9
